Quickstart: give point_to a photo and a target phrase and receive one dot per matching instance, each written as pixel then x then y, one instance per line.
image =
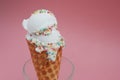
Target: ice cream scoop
pixel 52 38
pixel 42 31
pixel 39 21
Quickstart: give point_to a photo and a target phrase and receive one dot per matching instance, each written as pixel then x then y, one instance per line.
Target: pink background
pixel 91 29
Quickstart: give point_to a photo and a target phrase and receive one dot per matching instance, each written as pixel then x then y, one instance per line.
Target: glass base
pixel 66 70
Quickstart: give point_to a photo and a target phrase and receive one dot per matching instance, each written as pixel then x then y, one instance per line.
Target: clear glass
pixel 66 70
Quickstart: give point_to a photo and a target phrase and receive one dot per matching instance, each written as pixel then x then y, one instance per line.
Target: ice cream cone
pixel 45 44
pixel 45 68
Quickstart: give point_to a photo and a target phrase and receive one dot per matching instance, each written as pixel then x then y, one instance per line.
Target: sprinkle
pixel 51 48
pixel 45 31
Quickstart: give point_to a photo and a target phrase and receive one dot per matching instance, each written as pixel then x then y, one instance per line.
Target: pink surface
pixel 91 29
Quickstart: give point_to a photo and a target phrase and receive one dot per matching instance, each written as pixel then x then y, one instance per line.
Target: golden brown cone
pixel 45 69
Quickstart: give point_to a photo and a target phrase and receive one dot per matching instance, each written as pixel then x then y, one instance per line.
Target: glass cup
pixel 66 70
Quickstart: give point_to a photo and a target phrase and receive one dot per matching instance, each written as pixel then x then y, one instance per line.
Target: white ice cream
pixel 52 38
pixel 39 21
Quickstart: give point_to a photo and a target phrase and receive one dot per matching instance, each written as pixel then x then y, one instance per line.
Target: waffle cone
pixel 45 69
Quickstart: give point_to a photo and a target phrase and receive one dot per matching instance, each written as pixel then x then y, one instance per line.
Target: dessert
pixel 45 44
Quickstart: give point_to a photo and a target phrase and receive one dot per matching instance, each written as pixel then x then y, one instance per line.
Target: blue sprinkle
pixel 48 52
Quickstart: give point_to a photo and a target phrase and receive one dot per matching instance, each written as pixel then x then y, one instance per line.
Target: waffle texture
pixel 45 68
